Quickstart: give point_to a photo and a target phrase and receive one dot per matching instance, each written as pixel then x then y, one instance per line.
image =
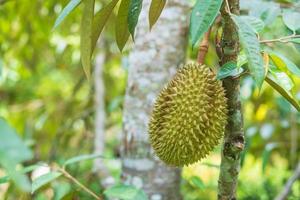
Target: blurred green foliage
pixel 47 99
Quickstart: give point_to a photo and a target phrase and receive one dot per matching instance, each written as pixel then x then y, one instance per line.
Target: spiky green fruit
pixel 189 116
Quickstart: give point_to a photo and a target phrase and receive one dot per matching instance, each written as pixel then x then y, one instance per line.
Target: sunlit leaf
pixel 284 63
pixel 283 80
pixel 86 36
pixel 100 20
pixel 227 70
pixel 256 24
pixel 122 31
pixel 196 181
pixel 271 80
pixel 251 47
pixel 44 180
pixel 82 158
pixel 25 170
pixel 12 152
pixel 266 59
pixel 66 11
pixel 210 165
pixel 125 192
pixel 291 19
pixel 135 9
pixel 156 9
pixel 202 17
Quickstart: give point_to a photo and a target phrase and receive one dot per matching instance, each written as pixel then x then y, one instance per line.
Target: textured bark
pixel 153 61
pixel 234 133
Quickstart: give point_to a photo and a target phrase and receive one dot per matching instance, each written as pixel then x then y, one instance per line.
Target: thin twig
pixel 203 48
pixel 284 39
pixel 70 177
pixel 288 186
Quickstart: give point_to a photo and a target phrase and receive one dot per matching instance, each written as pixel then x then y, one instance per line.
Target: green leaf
pixel 44 180
pixel 266 60
pixel 86 36
pixel 155 11
pixel 295 40
pixel 283 79
pixel 202 17
pixel 100 20
pixel 135 9
pixel 284 63
pixel 196 181
pixel 251 47
pixel 256 24
pixel 4 179
pixel 291 20
pixel 242 59
pixel 12 152
pixel 271 12
pixel 115 103
pixel 125 192
pixel 25 170
pixel 66 11
pixel 62 190
pixel 122 32
pixel 82 158
pixel 274 83
pixel 266 154
pixel 227 70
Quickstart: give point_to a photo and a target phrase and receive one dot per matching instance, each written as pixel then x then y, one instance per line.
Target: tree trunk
pixel 153 61
pixel 234 133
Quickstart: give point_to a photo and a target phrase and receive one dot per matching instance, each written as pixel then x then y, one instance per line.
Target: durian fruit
pixel 189 116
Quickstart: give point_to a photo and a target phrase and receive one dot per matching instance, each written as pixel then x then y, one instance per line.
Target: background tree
pixel 154 59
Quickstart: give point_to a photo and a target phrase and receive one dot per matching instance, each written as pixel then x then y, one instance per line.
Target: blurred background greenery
pixel 46 98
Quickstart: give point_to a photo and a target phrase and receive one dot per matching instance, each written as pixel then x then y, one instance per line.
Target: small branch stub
pixel 203 48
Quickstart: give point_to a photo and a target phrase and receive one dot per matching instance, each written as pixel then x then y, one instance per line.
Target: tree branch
pixel 234 134
pixel 288 186
pixel 284 39
pixel 74 180
pixel 203 48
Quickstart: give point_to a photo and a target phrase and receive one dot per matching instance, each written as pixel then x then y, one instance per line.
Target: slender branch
pixel 203 48
pixel 284 39
pixel 74 180
pixel 288 186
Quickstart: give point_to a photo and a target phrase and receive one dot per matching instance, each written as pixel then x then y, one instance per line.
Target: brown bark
pixel 203 48
pixel 234 134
